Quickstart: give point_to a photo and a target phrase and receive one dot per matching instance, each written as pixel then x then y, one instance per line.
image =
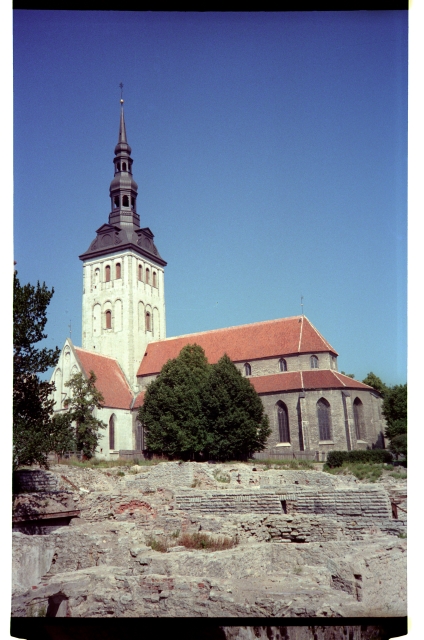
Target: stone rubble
pixel 344 555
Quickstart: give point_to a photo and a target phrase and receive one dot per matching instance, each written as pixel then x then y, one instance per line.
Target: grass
pixel 398 476
pixel 98 463
pixel 221 477
pixel 370 472
pixel 199 541
pixel 402 535
pixel 295 465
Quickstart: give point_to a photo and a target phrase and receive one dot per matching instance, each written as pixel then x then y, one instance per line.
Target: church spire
pixel 123 188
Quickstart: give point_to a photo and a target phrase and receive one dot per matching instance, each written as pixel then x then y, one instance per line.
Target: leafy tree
pixel 172 410
pixel 83 399
pixel 395 412
pixel 236 421
pixel 32 397
pixel 195 410
pixel 374 381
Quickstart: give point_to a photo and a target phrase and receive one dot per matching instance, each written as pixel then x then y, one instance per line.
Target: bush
pixel 369 472
pixel 337 458
pixel 203 541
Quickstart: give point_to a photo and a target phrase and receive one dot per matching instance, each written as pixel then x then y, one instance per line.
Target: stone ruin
pixel 306 543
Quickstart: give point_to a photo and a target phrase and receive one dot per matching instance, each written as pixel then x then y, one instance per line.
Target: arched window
pixel 247 369
pixel 148 276
pixel 154 279
pixel 118 166
pixel 314 362
pixel 140 272
pixel 139 437
pixel 124 166
pixel 118 270
pixel 116 202
pixel 112 432
pixel 283 422
pixel 324 419
pixel 148 321
pixel 107 273
pixel 108 316
pixel 282 364
pixel 358 416
pixel 125 201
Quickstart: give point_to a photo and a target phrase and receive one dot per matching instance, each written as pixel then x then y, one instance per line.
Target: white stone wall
pixel 128 299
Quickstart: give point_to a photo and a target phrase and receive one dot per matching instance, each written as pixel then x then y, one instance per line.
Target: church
pixel 312 408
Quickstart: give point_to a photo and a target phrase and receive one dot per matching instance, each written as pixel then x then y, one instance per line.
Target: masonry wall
pixel 270 366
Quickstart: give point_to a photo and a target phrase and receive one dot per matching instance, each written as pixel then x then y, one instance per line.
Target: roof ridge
pixel 96 353
pixel 236 326
pixel 321 336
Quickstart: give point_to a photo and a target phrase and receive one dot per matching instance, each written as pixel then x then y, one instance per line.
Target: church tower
pixel 123 304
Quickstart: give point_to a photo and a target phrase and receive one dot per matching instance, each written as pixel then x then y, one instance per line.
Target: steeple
pixel 123 188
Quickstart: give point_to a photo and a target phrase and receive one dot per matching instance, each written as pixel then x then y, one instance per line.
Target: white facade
pixel 123 308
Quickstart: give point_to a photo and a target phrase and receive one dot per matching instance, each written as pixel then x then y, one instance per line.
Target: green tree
pixel 194 410
pixel 172 410
pixel 395 411
pixel 374 381
pixel 32 397
pixel 237 424
pixel 83 399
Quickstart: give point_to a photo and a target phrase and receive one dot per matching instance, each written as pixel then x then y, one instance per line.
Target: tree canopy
pixel 195 410
pixel 81 403
pixel 32 397
pixel 374 381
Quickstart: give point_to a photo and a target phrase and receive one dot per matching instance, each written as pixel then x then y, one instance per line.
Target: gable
pixel 111 381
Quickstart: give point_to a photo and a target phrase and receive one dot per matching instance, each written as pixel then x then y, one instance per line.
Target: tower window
pixel 148 322
pixel 155 279
pixel 148 276
pixel 314 362
pixel 247 369
pixel 140 272
pixel 324 419
pixel 124 166
pixel 112 432
pixel 116 202
pixel 118 270
pixel 125 201
pixel 107 273
pixel 118 166
pixel 283 422
pixel 282 364
pixel 132 202
pixel 108 316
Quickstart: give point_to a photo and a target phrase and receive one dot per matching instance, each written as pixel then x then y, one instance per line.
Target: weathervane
pixel 122 86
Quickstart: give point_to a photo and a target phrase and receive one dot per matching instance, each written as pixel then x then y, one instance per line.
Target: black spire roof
pixel 123 230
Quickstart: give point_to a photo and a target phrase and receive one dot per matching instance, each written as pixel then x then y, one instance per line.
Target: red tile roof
pixel 111 381
pixel 139 400
pixel 245 342
pixel 305 380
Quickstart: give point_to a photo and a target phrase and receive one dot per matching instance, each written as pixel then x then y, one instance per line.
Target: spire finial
pixel 121 86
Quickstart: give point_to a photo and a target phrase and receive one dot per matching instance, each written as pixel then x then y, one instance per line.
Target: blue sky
pixel 270 150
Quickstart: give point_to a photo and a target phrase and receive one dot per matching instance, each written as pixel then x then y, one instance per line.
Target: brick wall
pixel 34 481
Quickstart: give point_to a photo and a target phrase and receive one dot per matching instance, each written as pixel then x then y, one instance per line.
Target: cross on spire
pixel 122 86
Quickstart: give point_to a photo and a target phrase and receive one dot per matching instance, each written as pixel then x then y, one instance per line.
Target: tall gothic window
pixel 147 276
pixel 148 321
pixel 140 272
pixel 283 422
pixel 314 362
pixel 358 416
pixel 282 364
pixel 139 437
pixel 118 270
pixel 154 279
pixel 108 316
pixel 247 369
pixel 112 432
pixel 324 419
pixel 107 273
